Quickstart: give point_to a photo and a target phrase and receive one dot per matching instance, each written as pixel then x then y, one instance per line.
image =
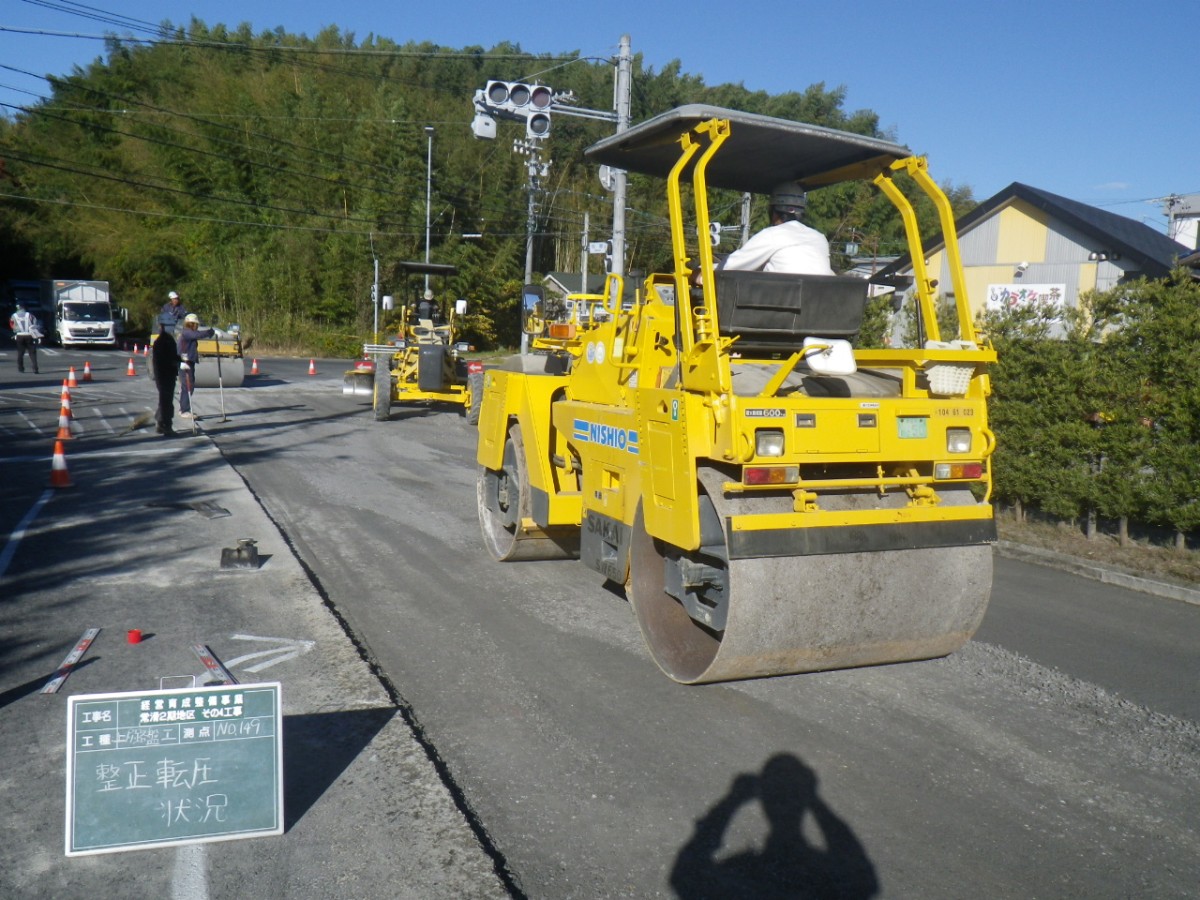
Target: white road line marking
pixel 103 420
pixel 189 877
pixel 14 539
pixel 30 423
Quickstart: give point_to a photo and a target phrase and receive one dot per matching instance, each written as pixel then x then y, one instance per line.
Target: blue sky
pixel 1092 101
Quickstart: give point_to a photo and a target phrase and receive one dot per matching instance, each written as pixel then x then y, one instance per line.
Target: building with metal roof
pixel 1026 245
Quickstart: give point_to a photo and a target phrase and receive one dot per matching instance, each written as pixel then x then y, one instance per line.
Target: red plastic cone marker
pixel 312 367
pixel 87 371
pixel 65 404
pixel 131 370
pixel 59 476
pixel 254 367
pixel 71 382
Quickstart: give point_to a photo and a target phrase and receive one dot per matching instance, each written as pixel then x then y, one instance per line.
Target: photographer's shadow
pixel 787 865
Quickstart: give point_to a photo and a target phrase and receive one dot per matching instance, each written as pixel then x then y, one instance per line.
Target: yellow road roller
pixel 222 361
pixel 772 498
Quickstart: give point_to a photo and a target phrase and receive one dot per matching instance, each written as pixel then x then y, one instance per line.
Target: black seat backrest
pixel 778 311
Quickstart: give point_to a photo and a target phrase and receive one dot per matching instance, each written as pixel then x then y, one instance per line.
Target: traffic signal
pixel 537 124
pixel 530 102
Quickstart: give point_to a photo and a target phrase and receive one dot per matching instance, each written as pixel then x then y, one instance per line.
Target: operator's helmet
pixel 191 319
pixel 20 306
pixel 172 296
pixel 790 198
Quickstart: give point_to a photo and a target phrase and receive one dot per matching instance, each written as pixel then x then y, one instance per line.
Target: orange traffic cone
pixel 312 367
pixel 59 476
pixel 254 367
pixel 64 424
pixel 71 382
pixel 87 370
pixel 131 370
pixel 145 349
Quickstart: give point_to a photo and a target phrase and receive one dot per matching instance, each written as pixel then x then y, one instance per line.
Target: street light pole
pixel 428 193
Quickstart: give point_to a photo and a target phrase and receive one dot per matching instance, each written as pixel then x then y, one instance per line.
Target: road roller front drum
pixel 795 614
pixel 231 373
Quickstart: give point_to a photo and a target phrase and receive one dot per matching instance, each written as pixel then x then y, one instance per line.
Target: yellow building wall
pixel 1022 234
pixel 979 277
pixel 1087 276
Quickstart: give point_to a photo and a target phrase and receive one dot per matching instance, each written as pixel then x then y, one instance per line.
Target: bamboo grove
pixel 263 175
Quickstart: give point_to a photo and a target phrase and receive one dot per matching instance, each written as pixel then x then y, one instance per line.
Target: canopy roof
pixel 760 153
pixel 424 268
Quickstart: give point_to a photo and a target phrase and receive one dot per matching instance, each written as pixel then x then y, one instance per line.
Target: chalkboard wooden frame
pixel 168 767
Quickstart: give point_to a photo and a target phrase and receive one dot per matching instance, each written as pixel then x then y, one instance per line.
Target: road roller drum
pixel 230 372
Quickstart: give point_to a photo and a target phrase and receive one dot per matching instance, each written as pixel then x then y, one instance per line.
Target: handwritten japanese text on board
pixel 167 767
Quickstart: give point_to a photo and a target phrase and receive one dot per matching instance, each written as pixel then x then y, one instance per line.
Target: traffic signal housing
pixel 531 102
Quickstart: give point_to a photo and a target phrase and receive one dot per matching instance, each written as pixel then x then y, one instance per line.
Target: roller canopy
pixel 761 151
pixel 424 268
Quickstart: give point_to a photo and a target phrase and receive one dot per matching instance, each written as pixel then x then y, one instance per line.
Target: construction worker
pixel 189 356
pixel 786 245
pixel 166 372
pixel 173 310
pixel 28 331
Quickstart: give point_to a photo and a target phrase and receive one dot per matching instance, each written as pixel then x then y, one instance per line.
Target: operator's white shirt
pixel 790 247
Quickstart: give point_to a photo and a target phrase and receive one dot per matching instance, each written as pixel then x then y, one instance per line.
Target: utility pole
pixel 583 253
pixel 428 193
pixel 624 71
pixel 537 170
pixel 1183 213
pixel 375 297
pixel 745 218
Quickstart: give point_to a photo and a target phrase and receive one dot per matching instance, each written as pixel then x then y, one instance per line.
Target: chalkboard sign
pixel 157 768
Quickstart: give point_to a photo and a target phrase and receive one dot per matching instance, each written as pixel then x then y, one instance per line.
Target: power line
pixel 91 12
pixel 284 48
pixel 277 226
pixel 272 141
pixel 57 165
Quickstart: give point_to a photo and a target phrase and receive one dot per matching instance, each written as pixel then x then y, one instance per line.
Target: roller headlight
pixel 958 440
pixel 768 442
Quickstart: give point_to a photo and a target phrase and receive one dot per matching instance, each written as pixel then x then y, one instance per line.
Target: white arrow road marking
pixel 291 648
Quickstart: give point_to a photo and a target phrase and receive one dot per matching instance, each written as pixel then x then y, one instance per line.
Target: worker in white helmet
pixel 189 355
pixel 173 310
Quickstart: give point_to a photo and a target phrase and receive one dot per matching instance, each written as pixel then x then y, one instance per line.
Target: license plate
pixel 913 426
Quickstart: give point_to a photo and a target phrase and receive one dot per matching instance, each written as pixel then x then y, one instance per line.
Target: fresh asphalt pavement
pixel 136 541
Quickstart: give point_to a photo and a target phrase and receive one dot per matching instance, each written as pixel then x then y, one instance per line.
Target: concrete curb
pixel 1098 572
